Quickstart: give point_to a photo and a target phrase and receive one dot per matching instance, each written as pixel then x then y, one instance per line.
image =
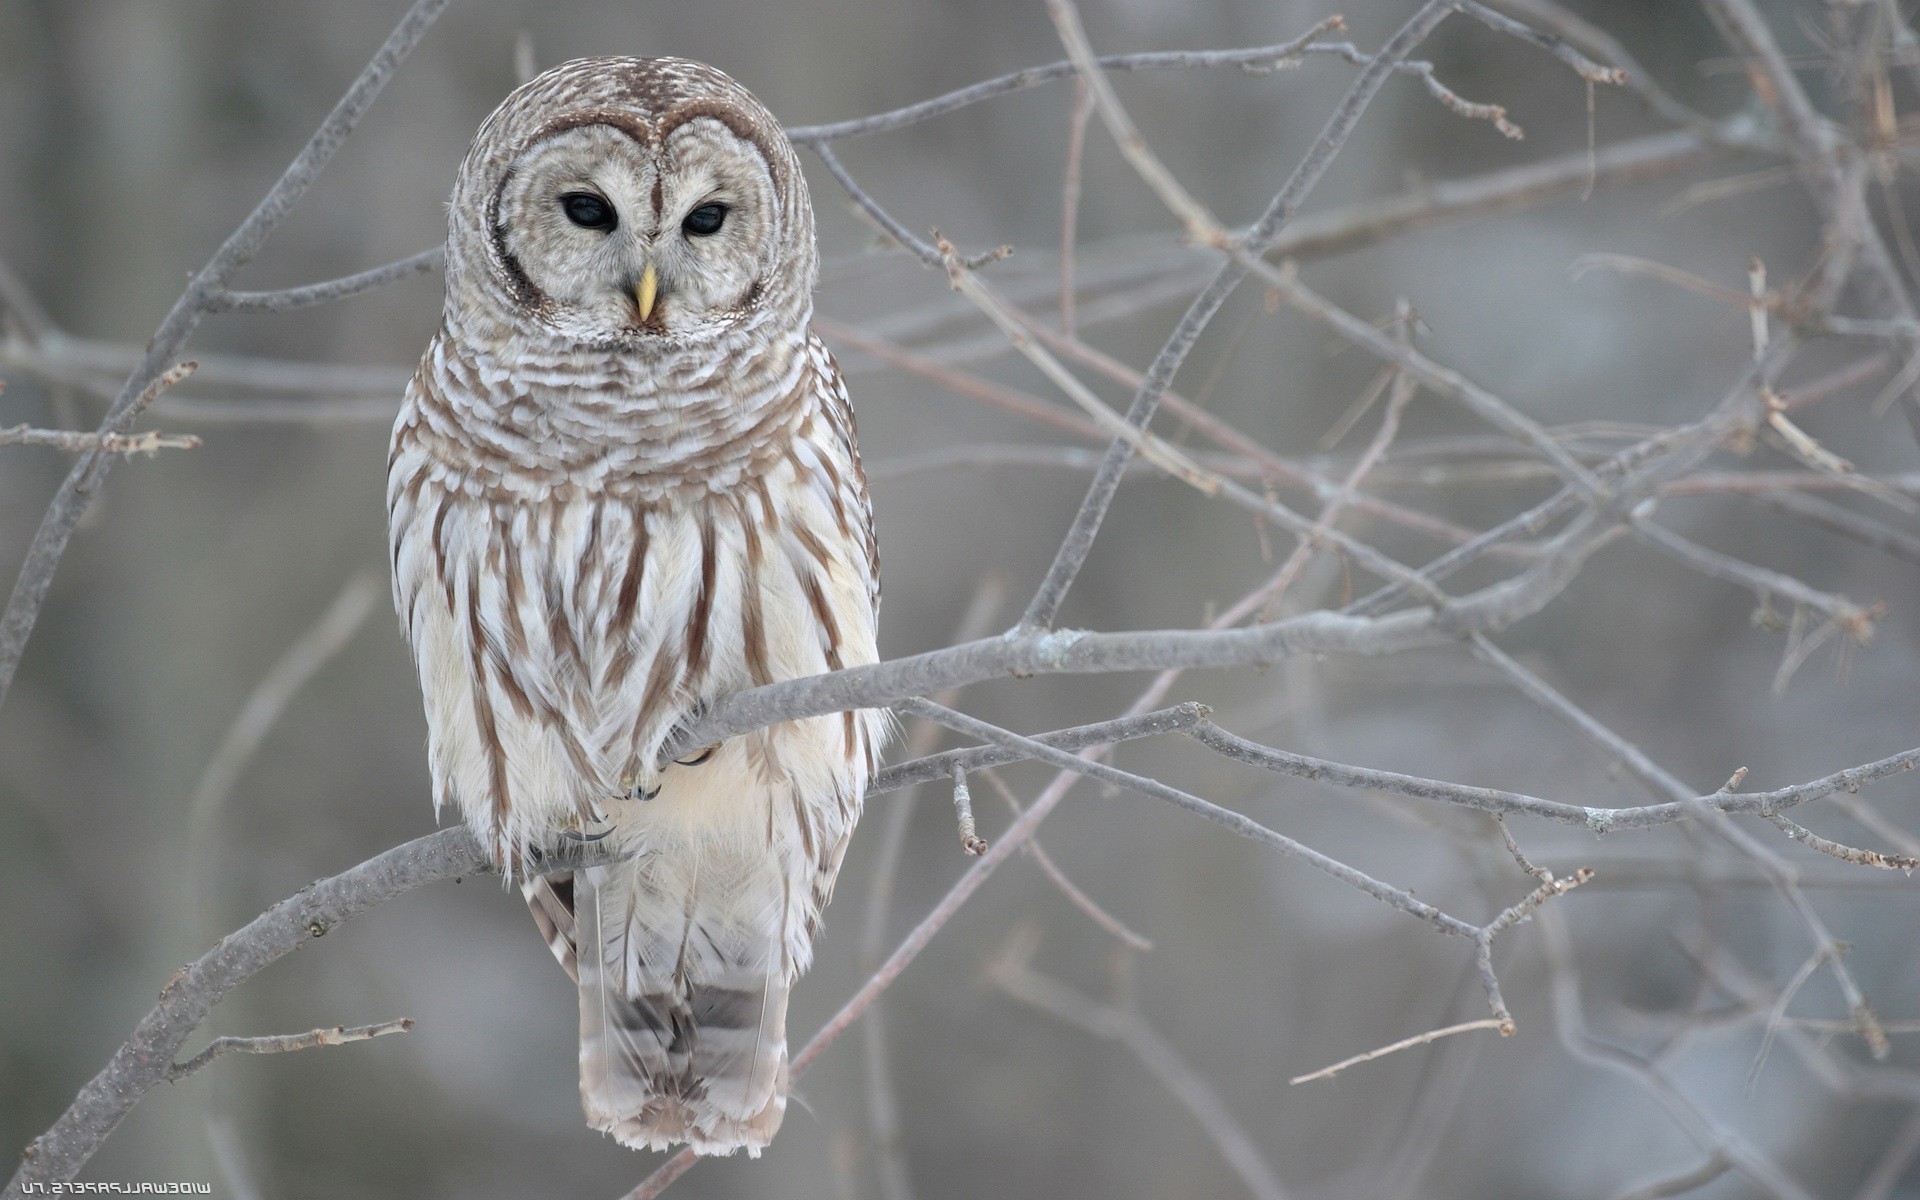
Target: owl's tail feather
pixel 683 1004
pixel 550 899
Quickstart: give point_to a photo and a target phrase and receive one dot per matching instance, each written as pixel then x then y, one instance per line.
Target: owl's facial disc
pixel 612 239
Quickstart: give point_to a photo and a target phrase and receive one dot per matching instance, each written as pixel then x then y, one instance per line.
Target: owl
pixel 623 485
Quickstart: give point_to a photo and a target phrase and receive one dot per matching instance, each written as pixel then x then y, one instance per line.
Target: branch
pixel 1818 150
pixel 1597 820
pixel 106 443
pixel 1177 719
pixel 1078 542
pixel 1255 58
pixel 1833 849
pixel 1707 1131
pixel 289 299
pixel 1856 621
pixel 1418 1039
pixel 77 490
pixel 1072 891
pixel 1235 822
pixel 339 1035
pixel 147 1057
pixel 1013 971
pixel 1566 28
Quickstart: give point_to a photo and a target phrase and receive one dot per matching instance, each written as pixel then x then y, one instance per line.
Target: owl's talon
pixel 699 758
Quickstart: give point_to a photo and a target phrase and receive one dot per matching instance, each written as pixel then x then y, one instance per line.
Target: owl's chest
pixel 536 423
pixel 584 628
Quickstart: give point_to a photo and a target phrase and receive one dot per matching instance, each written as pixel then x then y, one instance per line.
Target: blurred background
pixel 133 137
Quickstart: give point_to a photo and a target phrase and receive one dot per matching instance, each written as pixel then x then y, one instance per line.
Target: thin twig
pixel 882 1100
pixel 1070 198
pixel 1149 446
pixel 970 842
pixel 1419 1039
pixel 1075 894
pixel 1492 800
pixel 261 711
pixel 339 1035
pixel 1263 57
pixel 1707 808
pixel 1244 826
pixel 1833 849
pixel 1705 1130
pixel 107 443
pixel 289 299
pixel 1013 972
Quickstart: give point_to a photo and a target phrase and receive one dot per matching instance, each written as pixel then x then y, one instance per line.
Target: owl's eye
pixel 705 220
pixel 589 211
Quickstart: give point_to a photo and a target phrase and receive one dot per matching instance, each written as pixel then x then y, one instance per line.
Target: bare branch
pixel 1159 377
pixel 1705 1130
pixel 1419 1039
pixel 1259 57
pixel 1067 887
pixel 1563 27
pixel 147 1057
pixel 1148 445
pixel 339 1035
pixel 1855 620
pixel 882 1102
pixel 1817 148
pixel 1451 384
pixel 1707 809
pixel 1689 1180
pixel 1598 820
pixel 1105 733
pixel 262 710
pixel 970 842
pixel 1012 970
pixel 1865 858
pixel 143 1061
pixel 1066 22
pixel 76 492
pixel 1582 66
pixel 1070 199
pixel 289 299
pixel 107 443
pixel 1242 825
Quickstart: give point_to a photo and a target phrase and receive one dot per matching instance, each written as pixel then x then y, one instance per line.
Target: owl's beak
pixel 646 290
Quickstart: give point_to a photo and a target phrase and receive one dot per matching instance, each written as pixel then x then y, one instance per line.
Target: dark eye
pixel 705 220
pixel 589 211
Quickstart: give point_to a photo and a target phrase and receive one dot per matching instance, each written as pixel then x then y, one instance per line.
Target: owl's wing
pixel 838 409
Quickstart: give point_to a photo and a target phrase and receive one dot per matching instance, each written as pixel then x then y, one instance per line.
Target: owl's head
pixel 631 203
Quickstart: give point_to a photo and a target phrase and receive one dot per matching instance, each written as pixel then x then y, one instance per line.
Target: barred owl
pixel 623 485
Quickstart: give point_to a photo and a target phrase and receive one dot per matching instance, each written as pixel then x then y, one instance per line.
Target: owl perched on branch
pixel 623 485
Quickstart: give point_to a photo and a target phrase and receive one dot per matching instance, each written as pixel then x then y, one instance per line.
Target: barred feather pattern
pixel 588 545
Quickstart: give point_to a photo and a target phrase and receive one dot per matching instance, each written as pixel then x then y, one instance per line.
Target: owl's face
pixel 623 239
pixel 661 213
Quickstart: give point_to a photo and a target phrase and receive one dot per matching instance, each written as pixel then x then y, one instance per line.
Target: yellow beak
pixel 645 291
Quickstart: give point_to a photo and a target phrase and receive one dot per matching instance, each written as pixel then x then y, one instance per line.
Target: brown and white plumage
pixel 624 484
